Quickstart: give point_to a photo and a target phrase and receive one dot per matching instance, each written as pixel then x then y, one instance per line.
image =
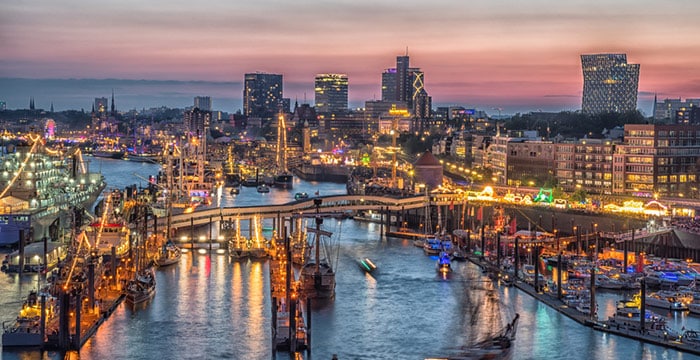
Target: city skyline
pixel 484 54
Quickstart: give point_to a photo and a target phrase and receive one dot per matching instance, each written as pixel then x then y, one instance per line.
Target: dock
pixel 584 319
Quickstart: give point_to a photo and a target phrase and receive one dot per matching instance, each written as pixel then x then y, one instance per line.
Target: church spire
pixel 52 106
pixel 31 103
pixel 112 108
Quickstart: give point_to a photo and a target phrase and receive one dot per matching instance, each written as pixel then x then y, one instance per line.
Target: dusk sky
pixel 511 54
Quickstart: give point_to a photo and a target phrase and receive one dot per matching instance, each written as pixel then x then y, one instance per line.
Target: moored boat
pixel 142 288
pixel 263 188
pixel 26 331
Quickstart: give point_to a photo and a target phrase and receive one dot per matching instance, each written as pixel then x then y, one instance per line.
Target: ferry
pixel 46 185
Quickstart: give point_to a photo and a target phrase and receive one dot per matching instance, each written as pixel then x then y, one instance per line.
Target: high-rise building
pixel 331 91
pixel 609 83
pixel 196 122
pixel 202 103
pixel 262 95
pixel 3 106
pixel 403 80
pixel 389 85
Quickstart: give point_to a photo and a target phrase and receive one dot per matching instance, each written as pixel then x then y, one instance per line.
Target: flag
pixel 316 193
pixel 513 227
pixel 480 213
pixel 452 205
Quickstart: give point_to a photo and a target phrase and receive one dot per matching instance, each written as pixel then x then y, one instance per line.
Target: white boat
pixel 694 307
pixel 627 317
pixel 432 245
pixel 604 282
pixel 665 301
pixel 110 230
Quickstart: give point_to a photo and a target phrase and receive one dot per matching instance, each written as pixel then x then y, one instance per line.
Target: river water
pixel 209 307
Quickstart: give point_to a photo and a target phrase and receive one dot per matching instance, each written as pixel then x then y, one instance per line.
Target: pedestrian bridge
pixel 336 205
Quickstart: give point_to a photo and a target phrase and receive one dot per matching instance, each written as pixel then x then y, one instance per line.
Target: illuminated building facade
pixel 262 95
pixel 586 164
pixel 609 83
pixel 331 91
pixel 389 85
pixel 657 159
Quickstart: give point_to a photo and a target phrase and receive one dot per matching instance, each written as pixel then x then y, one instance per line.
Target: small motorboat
pixel 263 188
pixel 443 264
pixel 367 265
pixel 301 196
pixel 459 255
pixel 235 190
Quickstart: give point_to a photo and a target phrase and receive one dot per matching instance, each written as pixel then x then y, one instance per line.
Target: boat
pixel 46 184
pixel 263 188
pixel 142 288
pixel 443 265
pixel 317 275
pixel 34 257
pixel 301 196
pixel 665 301
pixel 507 280
pixel 108 153
pixel 627 317
pixel 170 254
pixel 367 265
pixel 250 182
pixel 431 245
pixel 26 330
pixel 459 255
pixel 110 230
pixel 284 181
pixel 235 190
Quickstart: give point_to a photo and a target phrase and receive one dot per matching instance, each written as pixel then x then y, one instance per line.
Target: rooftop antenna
pixel 406 50
pixel 305 98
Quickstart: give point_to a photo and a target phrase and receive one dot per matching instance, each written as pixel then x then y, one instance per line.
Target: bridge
pixel 335 205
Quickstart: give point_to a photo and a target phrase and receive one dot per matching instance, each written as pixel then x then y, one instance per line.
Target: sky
pixel 515 55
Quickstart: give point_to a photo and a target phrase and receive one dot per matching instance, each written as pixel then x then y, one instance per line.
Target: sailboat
pixel 142 287
pixel 169 253
pixel 283 179
pixel 317 275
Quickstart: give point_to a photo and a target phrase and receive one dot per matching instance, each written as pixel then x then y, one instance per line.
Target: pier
pixel 584 319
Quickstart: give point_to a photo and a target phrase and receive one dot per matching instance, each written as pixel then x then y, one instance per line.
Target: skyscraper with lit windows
pixel 609 83
pixel 262 95
pixel 331 94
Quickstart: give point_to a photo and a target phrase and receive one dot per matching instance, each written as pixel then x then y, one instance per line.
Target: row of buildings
pixel 648 160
